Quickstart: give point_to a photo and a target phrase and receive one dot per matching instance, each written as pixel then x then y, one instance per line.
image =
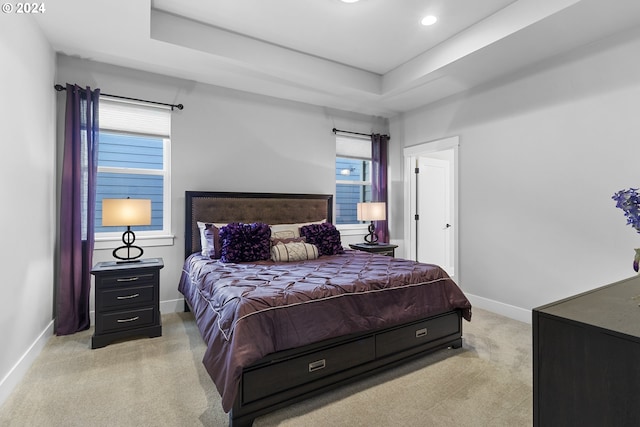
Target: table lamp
pixel 371 211
pixel 126 212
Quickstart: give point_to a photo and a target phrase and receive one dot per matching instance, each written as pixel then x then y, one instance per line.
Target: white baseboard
pixel 507 310
pixel 172 306
pixel 19 370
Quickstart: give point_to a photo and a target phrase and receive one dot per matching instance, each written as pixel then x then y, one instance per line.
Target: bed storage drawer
pixel 417 334
pixel 282 375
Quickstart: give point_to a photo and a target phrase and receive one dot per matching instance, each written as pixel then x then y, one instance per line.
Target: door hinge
pixel 417 170
pixel 416 217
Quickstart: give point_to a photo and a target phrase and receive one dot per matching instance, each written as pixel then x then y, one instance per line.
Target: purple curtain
pixel 379 150
pixel 77 208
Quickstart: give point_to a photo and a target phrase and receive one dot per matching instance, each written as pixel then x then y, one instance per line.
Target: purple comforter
pixel 246 311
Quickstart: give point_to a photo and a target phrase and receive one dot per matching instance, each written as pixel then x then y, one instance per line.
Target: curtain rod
pixel 59 88
pixel 355 133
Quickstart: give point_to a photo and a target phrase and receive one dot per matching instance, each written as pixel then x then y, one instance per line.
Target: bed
pixel 281 331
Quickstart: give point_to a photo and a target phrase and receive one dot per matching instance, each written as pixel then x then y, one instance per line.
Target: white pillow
pixel 209 238
pixel 206 239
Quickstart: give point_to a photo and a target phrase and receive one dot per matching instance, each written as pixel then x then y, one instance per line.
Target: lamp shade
pixel 371 211
pixel 117 212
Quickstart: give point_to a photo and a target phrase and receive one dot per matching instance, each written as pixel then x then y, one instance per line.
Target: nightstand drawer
pixel 379 248
pixel 389 252
pixel 129 319
pixel 118 298
pixel 129 279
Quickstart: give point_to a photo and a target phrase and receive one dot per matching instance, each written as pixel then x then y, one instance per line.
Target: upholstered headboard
pixel 270 208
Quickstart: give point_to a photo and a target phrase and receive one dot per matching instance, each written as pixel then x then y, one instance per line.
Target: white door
pixel 434 209
pixel 432 195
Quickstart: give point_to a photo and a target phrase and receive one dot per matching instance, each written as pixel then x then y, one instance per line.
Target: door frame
pixel 411 153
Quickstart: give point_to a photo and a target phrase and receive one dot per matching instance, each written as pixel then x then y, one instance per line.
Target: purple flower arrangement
pixel 629 202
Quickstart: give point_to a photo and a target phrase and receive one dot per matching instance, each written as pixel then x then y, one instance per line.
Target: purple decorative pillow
pixel 325 236
pixel 245 242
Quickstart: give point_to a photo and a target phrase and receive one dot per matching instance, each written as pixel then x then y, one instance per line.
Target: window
pixel 133 161
pixel 353 177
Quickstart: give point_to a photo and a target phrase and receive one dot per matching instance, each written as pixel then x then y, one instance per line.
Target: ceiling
pixel 372 57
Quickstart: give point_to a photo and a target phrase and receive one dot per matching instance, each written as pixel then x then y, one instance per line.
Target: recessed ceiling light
pixel 428 20
pixel 349 1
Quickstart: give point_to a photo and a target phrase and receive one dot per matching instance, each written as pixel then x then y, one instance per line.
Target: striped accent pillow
pixel 294 251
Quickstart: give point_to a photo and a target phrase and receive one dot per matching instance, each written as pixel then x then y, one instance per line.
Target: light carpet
pixel 162 382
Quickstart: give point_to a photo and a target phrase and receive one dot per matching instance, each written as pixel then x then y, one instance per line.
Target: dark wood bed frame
pixel 285 377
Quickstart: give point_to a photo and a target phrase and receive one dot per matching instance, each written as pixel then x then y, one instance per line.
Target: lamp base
pixel 128 258
pixel 372 237
pixel 128 237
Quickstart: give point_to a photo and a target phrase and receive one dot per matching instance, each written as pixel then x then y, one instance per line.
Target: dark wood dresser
pixel 378 248
pixel 586 358
pixel 127 300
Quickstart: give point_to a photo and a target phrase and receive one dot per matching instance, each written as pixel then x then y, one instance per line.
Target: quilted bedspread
pixel 246 311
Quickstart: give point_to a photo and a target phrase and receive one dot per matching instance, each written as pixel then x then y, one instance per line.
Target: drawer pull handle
pixel 129 296
pixel 127 279
pixel 133 319
pixel 421 333
pixel 317 365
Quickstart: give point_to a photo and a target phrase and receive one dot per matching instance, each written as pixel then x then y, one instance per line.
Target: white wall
pixel 226 140
pixel 541 153
pixel 27 164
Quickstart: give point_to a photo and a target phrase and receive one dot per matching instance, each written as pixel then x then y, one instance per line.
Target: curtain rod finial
pixel 58 87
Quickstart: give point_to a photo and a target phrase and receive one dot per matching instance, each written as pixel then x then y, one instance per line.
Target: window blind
pixel 133 117
pixel 355 148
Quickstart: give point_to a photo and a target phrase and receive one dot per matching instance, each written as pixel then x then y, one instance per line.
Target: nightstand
pixel 127 300
pixel 379 248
